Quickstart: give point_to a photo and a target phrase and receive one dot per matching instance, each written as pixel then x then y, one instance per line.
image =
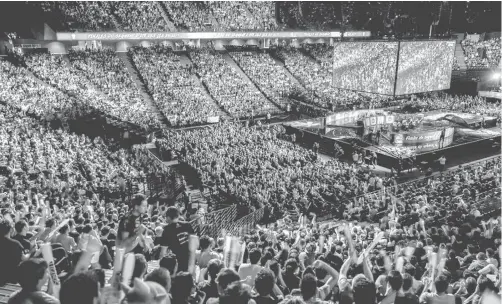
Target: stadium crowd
pixel 236 95
pixel 75 227
pixel 22 91
pixel 190 16
pixel 89 70
pixel 269 76
pixel 410 260
pixel 246 15
pixel 459 103
pixel 140 16
pixel 174 87
pixel 317 79
pixel 82 15
pixel 473 58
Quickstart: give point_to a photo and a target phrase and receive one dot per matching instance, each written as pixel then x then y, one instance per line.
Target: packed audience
pixel 260 169
pixel 192 16
pixel 174 87
pixel 228 87
pixel 244 15
pixel 455 103
pixel 140 16
pixel 413 260
pixel 82 15
pixel 473 58
pixel 108 73
pixel 22 91
pixel 38 160
pixel 92 70
pixel 450 197
pixel 317 79
pixel 269 76
pixel 424 66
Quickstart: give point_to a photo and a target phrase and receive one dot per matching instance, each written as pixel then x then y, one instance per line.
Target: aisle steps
pixel 459 55
pixel 184 59
pixel 147 98
pixel 286 70
pixel 165 15
pixel 236 66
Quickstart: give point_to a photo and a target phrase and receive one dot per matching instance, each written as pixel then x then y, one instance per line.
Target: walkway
pixel 244 76
pixel 140 85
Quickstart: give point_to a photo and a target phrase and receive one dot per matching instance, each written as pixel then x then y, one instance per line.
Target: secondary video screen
pixel 424 66
pixel 365 66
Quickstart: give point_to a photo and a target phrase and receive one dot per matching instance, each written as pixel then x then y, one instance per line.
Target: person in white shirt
pixel 251 270
pixel 440 296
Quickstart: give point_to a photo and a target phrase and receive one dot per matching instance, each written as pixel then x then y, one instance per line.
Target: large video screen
pixel 424 66
pixel 365 66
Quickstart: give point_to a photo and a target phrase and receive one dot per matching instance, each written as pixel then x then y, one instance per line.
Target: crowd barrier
pixel 221 221
pixel 213 223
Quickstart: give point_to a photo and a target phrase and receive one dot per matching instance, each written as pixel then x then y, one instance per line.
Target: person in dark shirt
pixel 33 275
pixel 290 278
pixel 264 284
pixel 11 254
pixel 175 237
pixel 21 231
pixel 131 228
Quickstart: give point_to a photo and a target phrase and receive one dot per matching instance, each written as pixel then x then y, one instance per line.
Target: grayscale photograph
pixel 250 152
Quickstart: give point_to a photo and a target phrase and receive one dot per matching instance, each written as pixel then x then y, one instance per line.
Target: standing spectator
pixel 252 269
pixel 442 163
pixel 175 237
pixel 264 285
pixel 206 252
pixel 11 254
pixel 131 227
pixel 409 297
pixel 210 288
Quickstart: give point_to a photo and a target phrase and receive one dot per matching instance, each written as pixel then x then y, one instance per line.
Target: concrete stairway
pixel 459 55
pixel 165 15
pixel 147 98
pixel 186 61
pixel 236 66
pixel 213 21
pixel 288 73
pixel 104 6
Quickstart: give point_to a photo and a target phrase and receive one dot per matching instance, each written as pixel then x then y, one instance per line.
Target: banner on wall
pixel 65 36
pixel 213 119
pixel 423 140
pixel 349 117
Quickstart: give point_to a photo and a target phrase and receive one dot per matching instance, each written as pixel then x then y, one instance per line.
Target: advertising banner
pixel 65 36
pixel 424 141
pixel 213 119
pixel 416 138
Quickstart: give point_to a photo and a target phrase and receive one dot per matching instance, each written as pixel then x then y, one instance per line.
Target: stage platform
pixel 449 134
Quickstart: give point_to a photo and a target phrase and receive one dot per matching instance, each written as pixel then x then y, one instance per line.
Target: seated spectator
pixel 161 276
pixel 33 275
pixel 80 288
